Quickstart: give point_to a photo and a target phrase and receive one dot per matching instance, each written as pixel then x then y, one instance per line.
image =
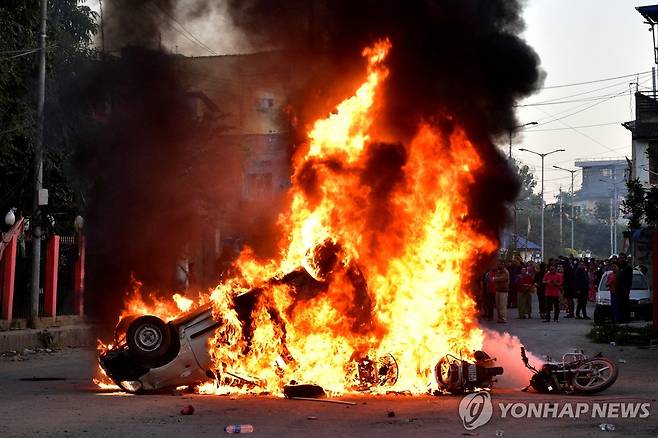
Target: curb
pixel 81 335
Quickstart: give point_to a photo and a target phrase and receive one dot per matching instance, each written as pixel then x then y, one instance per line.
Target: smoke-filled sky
pixel 576 41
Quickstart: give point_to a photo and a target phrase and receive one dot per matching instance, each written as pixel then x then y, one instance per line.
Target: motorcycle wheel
pixel 594 375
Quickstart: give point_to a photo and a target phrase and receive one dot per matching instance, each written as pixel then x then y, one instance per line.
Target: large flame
pixel 392 251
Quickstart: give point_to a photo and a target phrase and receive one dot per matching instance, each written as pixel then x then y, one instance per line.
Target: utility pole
pixel 38 171
pixel 511 132
pixel 613 213
pixel 612 240
pixel 614 205
pixel 100 3
pixel 542 191
pixel 573 212
pixel 560 197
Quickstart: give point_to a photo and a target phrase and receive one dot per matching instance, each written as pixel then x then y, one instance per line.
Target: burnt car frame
pixel 151 354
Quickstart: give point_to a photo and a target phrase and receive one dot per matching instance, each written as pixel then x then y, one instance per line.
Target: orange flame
pixel 415 267
pixel 400 282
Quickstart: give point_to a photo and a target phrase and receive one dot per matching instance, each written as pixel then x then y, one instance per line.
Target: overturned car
pixel 150 354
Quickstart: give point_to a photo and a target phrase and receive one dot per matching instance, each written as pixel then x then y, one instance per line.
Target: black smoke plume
pixel 452 61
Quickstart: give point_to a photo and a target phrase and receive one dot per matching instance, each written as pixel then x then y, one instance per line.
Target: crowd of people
pixel 562 284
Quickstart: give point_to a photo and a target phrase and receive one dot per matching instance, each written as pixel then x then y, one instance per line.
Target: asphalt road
pixel 74 407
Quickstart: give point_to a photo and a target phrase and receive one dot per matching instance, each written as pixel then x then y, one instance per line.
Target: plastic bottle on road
pixel 239 428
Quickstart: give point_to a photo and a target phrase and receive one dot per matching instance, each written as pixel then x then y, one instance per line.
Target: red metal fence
pixel 62 279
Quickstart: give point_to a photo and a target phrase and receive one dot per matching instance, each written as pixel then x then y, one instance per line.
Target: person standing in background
pixel 568 287
pixel 611 284
pixel 541 288
pixel 624 285
pixel 525 284
pixel 553 282
pixel 502 283
pixel 489 294
pixel 581 283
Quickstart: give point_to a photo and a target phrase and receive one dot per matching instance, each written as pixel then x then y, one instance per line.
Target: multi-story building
pixel 604 180
pixel 644 130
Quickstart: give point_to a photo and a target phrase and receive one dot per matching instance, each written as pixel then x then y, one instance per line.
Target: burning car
pixel 384 230
pixel 150 354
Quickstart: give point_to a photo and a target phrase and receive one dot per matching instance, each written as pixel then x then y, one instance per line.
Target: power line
pixel 581 126
pixel 25 52
pixel 584 99
pixel 554 119
pixel 578 131
pixel 617 84
pixel 594 81
pixel 11 52
pixel 186 33
pixel 21 54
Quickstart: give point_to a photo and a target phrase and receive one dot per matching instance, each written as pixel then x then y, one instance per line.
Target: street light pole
pixel 613 213
pixel 511 132
pixel 543 156
pixel 573 215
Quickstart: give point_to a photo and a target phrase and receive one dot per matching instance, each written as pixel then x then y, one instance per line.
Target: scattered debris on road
pixel 41 379
pixel 187 410
pixel 239 428
pixel 607 427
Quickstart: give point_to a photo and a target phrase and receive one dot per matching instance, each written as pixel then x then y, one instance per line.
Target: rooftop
pixel 600 162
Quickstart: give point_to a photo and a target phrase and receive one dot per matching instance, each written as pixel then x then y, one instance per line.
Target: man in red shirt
pixel 553 281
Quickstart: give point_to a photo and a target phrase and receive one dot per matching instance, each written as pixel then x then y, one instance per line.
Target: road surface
pixel 74 407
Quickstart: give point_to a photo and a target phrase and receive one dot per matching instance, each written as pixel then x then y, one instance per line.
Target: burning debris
pixel 360 293
pixel 397 197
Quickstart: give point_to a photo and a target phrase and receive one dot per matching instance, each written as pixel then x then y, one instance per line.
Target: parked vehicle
pixel 574 374
pixel 641 299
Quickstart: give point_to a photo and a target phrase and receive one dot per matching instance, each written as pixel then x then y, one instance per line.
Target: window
pixel 265 102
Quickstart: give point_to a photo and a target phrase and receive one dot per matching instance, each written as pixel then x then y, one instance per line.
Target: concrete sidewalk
pixel 74 335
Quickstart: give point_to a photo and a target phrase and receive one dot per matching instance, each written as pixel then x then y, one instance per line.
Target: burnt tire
pixel 594 375
pixel 150 341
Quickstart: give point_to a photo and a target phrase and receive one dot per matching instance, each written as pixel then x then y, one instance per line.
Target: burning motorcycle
pixel 457 376
pixel 575 374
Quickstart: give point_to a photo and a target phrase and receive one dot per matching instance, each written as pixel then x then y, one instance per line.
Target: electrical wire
pixel 581 126
pixel 11 52
pixel 186 33
pixel 594 81
pixel 557 99
pixel 553 118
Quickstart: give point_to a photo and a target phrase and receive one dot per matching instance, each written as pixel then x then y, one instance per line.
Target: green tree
pixel 70 29
pixel 634 204
pixel 651 207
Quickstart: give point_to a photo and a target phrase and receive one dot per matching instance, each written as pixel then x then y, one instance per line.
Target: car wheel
pixel 599 317
pixel 149 341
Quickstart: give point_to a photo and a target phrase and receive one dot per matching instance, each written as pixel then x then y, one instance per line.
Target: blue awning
pixel 521 242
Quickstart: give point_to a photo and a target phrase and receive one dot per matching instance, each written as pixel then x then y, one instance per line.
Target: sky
pixel 577 41
pixel 581 41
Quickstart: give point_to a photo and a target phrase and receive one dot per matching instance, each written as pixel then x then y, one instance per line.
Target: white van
pixel 641 299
